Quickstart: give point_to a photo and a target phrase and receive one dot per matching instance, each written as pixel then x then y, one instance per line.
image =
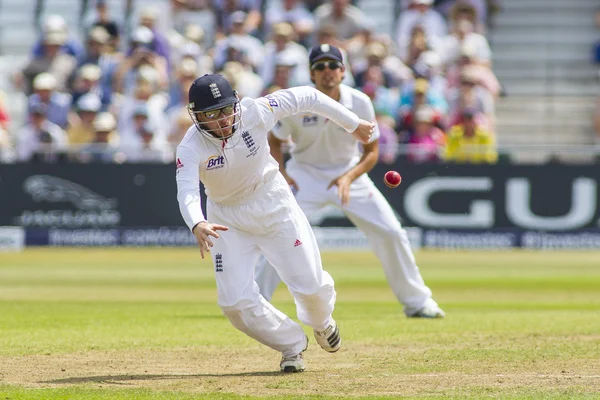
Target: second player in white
pixel 326 167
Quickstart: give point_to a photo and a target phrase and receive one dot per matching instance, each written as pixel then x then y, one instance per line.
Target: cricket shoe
pixel 428 312
pixel 329 339
pixel 293 363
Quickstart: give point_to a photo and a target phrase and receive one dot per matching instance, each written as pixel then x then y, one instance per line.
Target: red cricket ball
pixel 392 179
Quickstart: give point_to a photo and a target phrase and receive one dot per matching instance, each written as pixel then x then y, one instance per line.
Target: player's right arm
pixel 188 197
pixel 286 102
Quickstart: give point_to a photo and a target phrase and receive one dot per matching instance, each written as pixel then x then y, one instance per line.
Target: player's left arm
pixel 368 160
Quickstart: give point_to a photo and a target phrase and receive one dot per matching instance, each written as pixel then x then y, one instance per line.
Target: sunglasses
pixel 214 114
pixel 321 65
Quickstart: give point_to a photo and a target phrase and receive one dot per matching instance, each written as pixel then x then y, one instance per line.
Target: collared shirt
pixel 234 170
pixel 476 149
pixel 321 144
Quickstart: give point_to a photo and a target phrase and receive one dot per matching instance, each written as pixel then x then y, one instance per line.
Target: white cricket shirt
pixel 320 143
pixel 234 172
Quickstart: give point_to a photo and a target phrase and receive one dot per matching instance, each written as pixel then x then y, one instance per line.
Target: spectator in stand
pixel 60 65
pixel 225 10
pixel 419 13
pixel 285 65
pixel 420 95
pixel 151 150
pixel 429 66
pixel 102 148
pixel 243 79
pixel 385 101
pixel 470 143
pixel 146 104
pixel 388 139
pixel 160 44
pixel 55 25
pixel 191 44
pixel 180 123
pixel 293 12
pixel 98 53
pixel 444 7
pixel 463 34
pixel 82 131
pixel 467 62
pixel 87 80
pixel 102 18
pixel 597 112
pixel 375 54
pixel 283 42
pixel 470 95
pixel 185 74
pixel 418 44
pixel 57 103
pixel 347 20
pixel 357 53
pixel 40 139
pixel 476 10
pixel 141 55
pixel 426 142
pixel 239 40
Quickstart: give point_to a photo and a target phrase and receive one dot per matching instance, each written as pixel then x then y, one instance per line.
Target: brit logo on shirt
pixel 218 262
pixel 215 162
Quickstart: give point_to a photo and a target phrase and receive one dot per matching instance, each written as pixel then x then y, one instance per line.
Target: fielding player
pixel 252 206
pixel 326 168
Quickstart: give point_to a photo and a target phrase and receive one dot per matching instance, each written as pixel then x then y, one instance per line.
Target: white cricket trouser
pixel 371 213
pixel 271 222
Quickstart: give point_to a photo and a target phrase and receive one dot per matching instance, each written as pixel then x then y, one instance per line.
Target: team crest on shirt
pixel 214 162
pixel 310 120
pixel 249 141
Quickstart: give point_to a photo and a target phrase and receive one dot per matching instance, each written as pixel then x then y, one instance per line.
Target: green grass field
pixel 144 324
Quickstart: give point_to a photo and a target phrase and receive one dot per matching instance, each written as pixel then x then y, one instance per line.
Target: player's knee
pixel 240 313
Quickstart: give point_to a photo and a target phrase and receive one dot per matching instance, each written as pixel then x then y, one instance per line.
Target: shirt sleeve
pixel 285 102
pixel 188 186
pixel 283 129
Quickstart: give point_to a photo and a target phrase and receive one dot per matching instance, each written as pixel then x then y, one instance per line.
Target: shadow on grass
pixel 122 379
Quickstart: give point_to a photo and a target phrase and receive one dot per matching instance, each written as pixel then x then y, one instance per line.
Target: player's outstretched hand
pixel 202 231
pixel 364 131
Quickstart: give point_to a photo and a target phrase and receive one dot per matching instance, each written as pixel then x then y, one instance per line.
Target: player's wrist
pixel 197 225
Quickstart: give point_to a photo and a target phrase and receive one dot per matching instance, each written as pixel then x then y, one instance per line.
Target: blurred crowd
pixel 120 94
pixel 597 60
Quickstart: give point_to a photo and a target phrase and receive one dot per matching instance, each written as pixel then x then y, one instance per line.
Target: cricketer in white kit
pixel 326 167
pixel 254 210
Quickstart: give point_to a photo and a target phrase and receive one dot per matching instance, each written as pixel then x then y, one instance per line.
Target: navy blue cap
pixel 325 51
pixel 210 92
